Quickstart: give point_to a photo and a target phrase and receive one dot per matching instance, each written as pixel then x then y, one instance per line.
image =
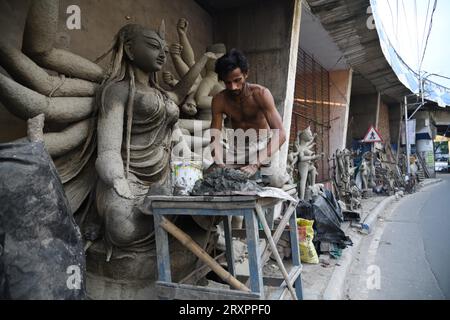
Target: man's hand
pixel 182 26
pixel 250 170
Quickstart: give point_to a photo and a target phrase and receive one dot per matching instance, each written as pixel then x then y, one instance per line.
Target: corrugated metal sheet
pixel 346 22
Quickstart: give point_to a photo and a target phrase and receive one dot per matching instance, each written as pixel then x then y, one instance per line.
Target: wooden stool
pixel 227 207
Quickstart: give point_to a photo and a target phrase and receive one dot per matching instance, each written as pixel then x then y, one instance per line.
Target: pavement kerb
pixel 372 217
pixel 335 287
pixel 428 183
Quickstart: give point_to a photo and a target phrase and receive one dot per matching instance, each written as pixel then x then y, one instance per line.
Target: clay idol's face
pixel 307 134
pixel 149 51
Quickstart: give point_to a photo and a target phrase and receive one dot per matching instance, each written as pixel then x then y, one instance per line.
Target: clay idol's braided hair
pixel 118 69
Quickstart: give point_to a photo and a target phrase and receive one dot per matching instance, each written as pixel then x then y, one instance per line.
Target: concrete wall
pixel 340 89
pixel 100 21
pixel 442 118
pixel 268 34
pixel 363 114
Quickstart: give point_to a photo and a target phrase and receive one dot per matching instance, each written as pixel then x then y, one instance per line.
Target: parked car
pixel 441 165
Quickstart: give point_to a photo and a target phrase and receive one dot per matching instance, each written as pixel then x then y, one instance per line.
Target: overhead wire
pixel 392 17
pixel 416 24
pixel 428 36
pixel 425 27
pixel 407 25
pixel 396 27
pixel 408 30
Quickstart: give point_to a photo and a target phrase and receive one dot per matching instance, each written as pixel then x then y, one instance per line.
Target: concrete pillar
pixel 290 85
pixel 377 117
pixel 424 139
pixel 340 93
pixel 268 33
pixel 425 147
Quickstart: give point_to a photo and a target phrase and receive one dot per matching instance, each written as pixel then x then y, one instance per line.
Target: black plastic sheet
pixel 327 216
pixel 41 251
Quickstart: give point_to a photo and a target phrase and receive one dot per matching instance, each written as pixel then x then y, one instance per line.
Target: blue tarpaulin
pixel 406 75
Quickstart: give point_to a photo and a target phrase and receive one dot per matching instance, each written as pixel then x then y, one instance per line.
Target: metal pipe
pixel 407 138
pixel 415 111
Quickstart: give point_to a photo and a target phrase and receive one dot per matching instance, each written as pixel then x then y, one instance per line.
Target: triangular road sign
pixel 372 136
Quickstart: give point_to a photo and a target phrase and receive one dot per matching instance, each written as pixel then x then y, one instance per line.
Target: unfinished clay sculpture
pixel 210 84
pixel 344 177
pixel 134 117
pixel 305 161
pixel 367 171
pixel 199 99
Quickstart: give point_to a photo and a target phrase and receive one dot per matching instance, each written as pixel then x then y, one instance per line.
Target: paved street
pixel 409 251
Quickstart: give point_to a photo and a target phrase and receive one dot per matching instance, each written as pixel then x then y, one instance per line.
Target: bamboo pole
pixel 263 221
pixel 202 255
pixel 277 235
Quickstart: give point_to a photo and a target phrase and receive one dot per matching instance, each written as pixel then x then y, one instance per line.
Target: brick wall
pixel 312 107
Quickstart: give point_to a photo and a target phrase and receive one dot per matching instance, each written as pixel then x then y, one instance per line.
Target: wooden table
pixel 226 207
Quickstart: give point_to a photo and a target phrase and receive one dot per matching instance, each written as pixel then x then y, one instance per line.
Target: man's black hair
pixel 230 61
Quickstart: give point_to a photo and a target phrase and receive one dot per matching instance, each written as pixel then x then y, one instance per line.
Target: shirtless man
pixel 247 106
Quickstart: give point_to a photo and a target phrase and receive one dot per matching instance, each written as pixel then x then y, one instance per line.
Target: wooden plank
pixel 273 245
pixel 229 245
pixel 202 198
pixel 198 212
pixel 212 203
pixel 254 257
pixel 294 273
pixel 173 291
pixel 203 205
pixel 162 250
pixel 279 231
pixel 282 292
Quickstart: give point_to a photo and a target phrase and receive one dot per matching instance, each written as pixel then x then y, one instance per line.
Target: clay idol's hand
pixel 189 109
pixel 182 26
pixel 212 56
pixel 169 78
pixel 122 188
pixel 176 49
pixel 250 170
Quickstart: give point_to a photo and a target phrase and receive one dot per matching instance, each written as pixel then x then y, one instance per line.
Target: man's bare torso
pixel 244 111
